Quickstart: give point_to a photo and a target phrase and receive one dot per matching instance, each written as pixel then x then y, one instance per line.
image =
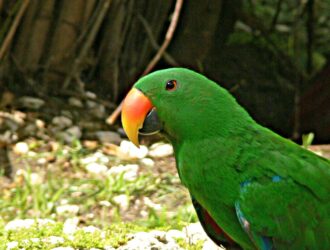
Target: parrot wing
pixel 284 200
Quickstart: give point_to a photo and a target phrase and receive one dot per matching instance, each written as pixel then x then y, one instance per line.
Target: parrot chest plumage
pixel 213 165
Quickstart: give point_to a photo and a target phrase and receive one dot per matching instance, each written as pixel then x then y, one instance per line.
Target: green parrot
pixel 251 188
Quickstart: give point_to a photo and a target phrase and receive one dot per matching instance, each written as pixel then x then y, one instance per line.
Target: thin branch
pixel 168 58
pixel 276 15
pixel 89 40
pixel 310 36
pixel 168 37
pixel 13 28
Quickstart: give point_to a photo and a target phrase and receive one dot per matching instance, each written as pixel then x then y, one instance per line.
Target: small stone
pixel 149 203
pixel 21 148
pixel 96 168
pixel 54 240
pixel 63 248
pixel 26 223
pixel 91 229
pixel 35 179
pixel 71 134
pixel 92 145
pixel 67 209
pixel 12 244
pixel 70 226
pixel 159 150
pixel 105 203
pixel 75 102
pixel 210 245
pixel 131 151
pixel 147 162
pixel 130 171
pixel 122 201
pixel 91 104
pixel 61 122
pixel 195 233
pixel 108 137
pixel 174 234
pixel 40 124
pixel 98 111
pixel 31 102
pixel 90 95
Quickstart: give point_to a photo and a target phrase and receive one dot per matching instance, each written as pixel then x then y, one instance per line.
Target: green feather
pixel 219 147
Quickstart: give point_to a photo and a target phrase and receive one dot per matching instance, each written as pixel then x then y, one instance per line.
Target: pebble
pixel 67 209
pixel 18 224
pixel 131 151
pixel 54 240
pixel 70 225
pixel 108 137
pixel 75 102
pixel 130 171
pixel 122 201
pixel 31 102
pixel 96 168
pixel 21 148
pixel 63 248
pixel 159 150
pixel 71 134
pixel 61 122
pixel 91 229
pixel 11 245
pixel 147 162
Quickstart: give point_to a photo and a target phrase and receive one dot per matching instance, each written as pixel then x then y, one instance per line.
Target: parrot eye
pixel 171 85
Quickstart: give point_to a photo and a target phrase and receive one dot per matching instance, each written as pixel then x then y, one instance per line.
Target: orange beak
pixel 135 108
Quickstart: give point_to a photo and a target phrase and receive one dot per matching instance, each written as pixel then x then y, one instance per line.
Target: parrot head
pixel 177 102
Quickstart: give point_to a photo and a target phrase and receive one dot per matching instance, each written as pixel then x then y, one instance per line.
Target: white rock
pixel 21 148
pixel 75 102
pixel 105 203
pixel 31 102
pixel 90 94
pixel 11 245
pixel 54 240
pixel 160 149
pixel 147 162
pixel 71 134
pixel 35 179
pixel 61 122
pixel 195 232
pixel 122 201
pixel 26 223
pixel 101 157
pixel 131 151
pixel 63 248
pixel 151 204
pixel 96 157
pixel 70 225
pixel 130 171
pixel 67 209
pixel 210 245
pixel 108 137
pixel 174 234
pixel 98 111
pixel 74 132
pixel 96 168
pixel 91 229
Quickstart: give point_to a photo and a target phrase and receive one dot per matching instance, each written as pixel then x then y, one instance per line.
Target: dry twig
pixel 89 40
pixel 168 37
pixel 13 28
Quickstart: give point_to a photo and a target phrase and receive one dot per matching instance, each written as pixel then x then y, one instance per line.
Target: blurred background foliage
pixel 273 55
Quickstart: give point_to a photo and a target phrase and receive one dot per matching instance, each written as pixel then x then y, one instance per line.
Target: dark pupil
pixel 170 85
